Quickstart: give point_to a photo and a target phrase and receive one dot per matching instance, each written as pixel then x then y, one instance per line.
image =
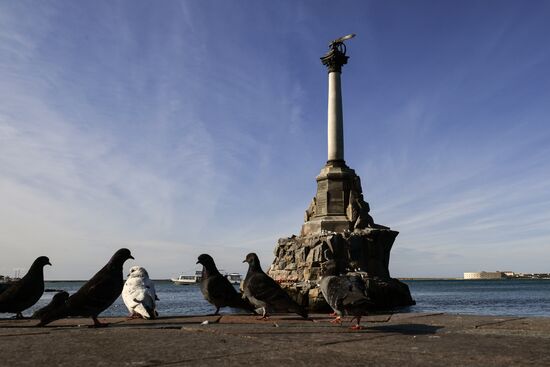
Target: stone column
pixel 335 119
pixel 334 60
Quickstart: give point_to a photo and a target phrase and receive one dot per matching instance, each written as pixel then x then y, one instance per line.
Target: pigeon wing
pixel 222 293
pixel 357 301
pixel 143 296
pixel 220 290
pixel 9 295
pixel 151 288
pixel 265 289
pixel 129 294
pixel 97 294
pixel 356 289
pixel 23 293
pixel 335 290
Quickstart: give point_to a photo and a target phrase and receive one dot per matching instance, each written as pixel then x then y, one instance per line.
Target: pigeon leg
pixel 264 317
pixel 98 324
pixel 337 320
pixel 215 313
pixel 19 316
pixel 357 326
pixel 333 314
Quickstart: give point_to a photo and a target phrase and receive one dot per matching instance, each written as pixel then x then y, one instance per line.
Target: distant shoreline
pixel 169 280
pixel 474 280
pixel 430 278
pixel 85 280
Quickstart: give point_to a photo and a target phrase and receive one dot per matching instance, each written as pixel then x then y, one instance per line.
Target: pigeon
pixel 263 292
pixel 96 295
pixel 217 289
pixel 25 292
pixel 57 301
pixel 139 294
pixel 345 294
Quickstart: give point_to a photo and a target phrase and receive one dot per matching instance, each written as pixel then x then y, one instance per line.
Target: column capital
pixel 335 58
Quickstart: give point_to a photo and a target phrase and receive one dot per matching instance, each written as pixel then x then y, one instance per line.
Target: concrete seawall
pixel 410 339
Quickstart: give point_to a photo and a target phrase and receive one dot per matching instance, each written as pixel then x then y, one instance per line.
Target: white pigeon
pixel 139 294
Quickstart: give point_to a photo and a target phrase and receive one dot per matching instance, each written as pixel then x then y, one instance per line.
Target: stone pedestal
pixel 298 262
pixel 337 226
pixel 332 207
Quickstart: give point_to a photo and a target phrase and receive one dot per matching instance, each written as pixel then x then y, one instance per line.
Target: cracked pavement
pixel 409 339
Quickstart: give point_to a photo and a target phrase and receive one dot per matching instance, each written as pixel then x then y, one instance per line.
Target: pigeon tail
pixel 303 312
pixel 145 311
pixel 359 307
pixel 300 311
pixel 243 303
pixel 145 307
pixel 152 312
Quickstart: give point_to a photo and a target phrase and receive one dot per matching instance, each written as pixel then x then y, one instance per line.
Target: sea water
pixel 476 297
pixel 503 297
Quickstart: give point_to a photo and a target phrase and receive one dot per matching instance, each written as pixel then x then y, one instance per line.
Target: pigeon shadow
pixel 406 329
pixel 290 318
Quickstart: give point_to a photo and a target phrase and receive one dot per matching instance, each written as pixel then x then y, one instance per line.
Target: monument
pixel 337 224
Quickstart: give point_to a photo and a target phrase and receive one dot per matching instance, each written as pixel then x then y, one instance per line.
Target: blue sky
pixel 175 128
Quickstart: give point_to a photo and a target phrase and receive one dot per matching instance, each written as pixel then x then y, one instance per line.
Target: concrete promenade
pixel 409 339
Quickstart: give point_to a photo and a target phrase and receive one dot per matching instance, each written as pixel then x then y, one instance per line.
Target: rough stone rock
pixel 290 266
pixel 366 251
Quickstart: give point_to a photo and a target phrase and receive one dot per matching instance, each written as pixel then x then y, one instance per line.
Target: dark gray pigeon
pixel 263 292
pixel 57 301
pixel 217 289
pixel 25 292
pixel 96 295
pixel 345 294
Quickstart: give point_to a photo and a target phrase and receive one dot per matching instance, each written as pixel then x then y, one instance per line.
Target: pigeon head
pixel 252 260
pixel 60 298
pixel 121 256
pixel 209 265
pixel 37 267
pixel 205 260
pixel 40 262
pixel 138 272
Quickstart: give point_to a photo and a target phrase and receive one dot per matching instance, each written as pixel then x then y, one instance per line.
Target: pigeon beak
pixel 49 263
pixel 197 262
pixel 244 260
pixel 131 257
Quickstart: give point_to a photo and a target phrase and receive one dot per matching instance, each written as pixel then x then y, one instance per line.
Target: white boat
pixel 188 279
pixel 234 278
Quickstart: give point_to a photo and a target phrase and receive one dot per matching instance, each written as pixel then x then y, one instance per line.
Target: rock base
pixel 366 252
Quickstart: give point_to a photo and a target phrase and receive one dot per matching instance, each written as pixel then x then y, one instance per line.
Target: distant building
pixel 505 275
pixel 485 275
